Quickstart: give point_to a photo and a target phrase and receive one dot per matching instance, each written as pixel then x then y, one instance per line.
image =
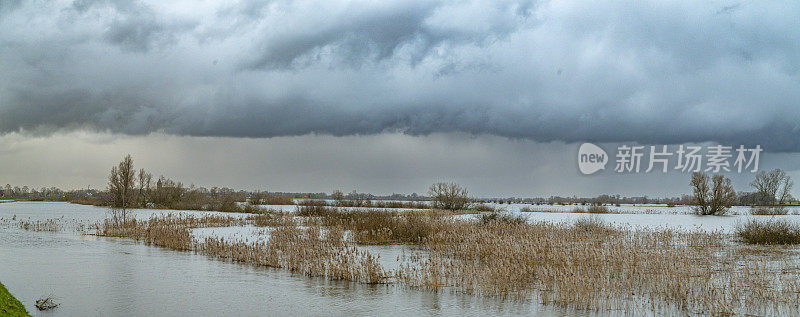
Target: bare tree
pixel 337 195
pixel 785 194
pixel 449 196
pixel 773 187
pixel 722 195
pixel 700 191
pixel 714 199
pixel 258 198
pixel 121 188
pixel 145 180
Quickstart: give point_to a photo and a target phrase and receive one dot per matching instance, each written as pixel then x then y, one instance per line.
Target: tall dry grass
pixel 587 264
pixel 51 225
pixel 769 210
pixel 590 265
pixel 375 226
pixel 768 232
pixel 366 204
pixel 311 251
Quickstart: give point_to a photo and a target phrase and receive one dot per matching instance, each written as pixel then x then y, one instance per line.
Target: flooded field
pixel 98 276
pixel 59 254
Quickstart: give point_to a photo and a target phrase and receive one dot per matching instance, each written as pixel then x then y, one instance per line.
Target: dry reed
pixel 585 265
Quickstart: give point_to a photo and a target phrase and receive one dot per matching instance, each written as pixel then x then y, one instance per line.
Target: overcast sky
pixel 389 96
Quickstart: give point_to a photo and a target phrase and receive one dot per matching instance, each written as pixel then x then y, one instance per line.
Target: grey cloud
pixel 134 26
pixel 376 33
pixel 648 72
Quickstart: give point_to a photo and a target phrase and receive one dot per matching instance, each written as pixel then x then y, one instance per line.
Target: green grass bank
pixel 10 306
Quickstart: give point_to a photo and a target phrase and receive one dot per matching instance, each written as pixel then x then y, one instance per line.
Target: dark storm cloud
pixel 134 26
pixel 649 72
pixel 377 33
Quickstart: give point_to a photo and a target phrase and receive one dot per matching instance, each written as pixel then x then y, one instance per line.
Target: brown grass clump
pixel 768 232
pixel 302 251
pixel 593 224
pixel 483 208
pixel 272 219
pixel 278 200
pixel 769 210
pixel 375 226
pixel 307 251
pixel 597 209
pixel 367 204
pixel 590 265
pixel 504 218
pixel 47 225
pixel 527 209
pixel 312 202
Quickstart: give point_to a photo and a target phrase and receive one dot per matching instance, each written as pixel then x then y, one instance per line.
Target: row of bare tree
pixel 714 195
pixel 129 188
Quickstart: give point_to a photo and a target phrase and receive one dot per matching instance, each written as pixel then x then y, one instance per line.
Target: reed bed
pixel 51 225
pixel 374 226
pixel 769 232
pixel 271 219
pixel 305 251
pixel 311 251
pixel 366 204
pixel 590 265
pixel 769 210
pixel 587 264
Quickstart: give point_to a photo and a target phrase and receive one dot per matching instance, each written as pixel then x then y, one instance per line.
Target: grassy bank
pixel 10 306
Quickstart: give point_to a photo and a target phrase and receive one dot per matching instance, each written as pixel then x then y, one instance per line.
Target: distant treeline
pixel 168 194
pixel 742 198
pixel 10 192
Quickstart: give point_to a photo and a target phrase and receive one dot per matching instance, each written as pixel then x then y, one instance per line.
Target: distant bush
pixel 449 196
pixel 592 224
pixel 767 210
pixel 597 209
pixel 315 211
pixel 578 210
pixel 278 200
pixel 483 207
pixel 496 217
pixel 768 232
pixel 313 202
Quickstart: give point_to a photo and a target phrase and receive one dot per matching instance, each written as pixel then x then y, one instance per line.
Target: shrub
pixel 713 199
pixel 315 211
pixel 592 224
pixel 483 207
pixel 496 217
pixel 449 196
pixel 278 200
pixel 597 209
pixel 765 210
pixel 768 232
